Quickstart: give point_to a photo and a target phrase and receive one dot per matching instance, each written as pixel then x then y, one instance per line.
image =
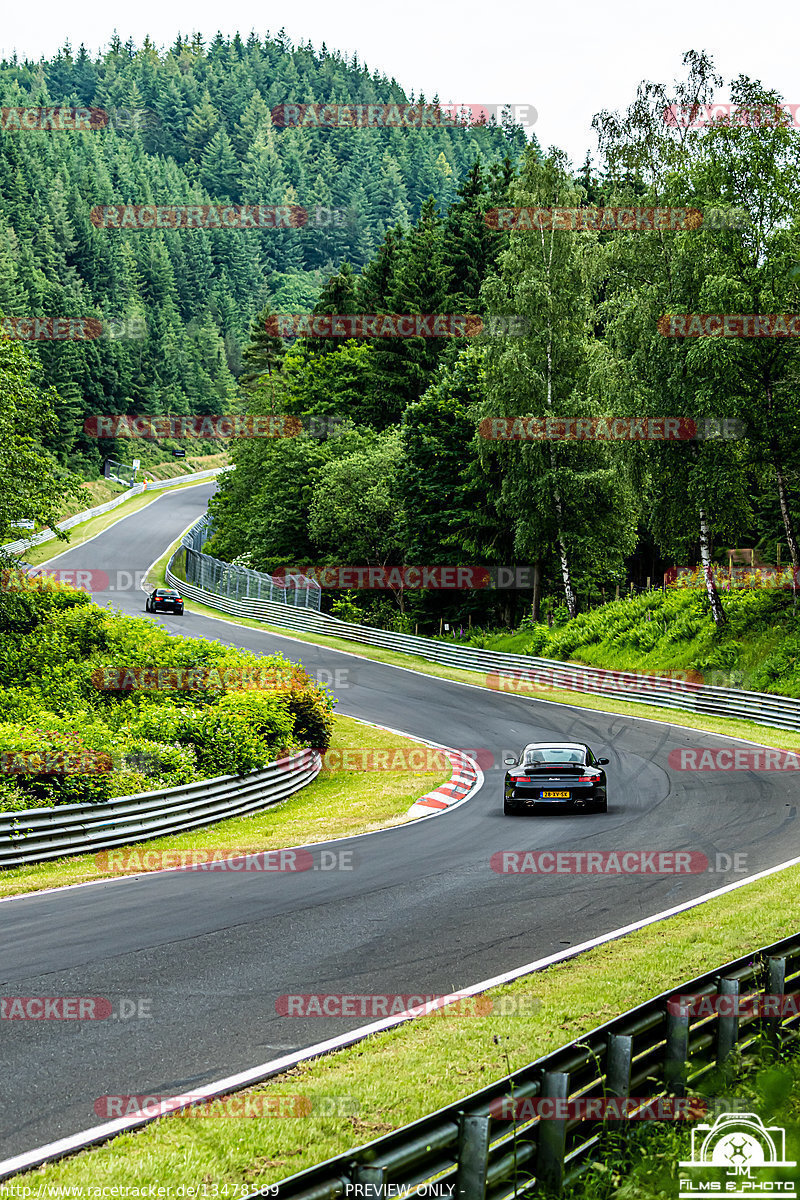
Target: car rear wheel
pixel 509 809
pixel 147 606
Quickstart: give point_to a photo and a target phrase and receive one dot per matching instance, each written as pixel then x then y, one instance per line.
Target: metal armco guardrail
pixel 511 672
pixel 152 485
pixel 660 1049
pixel 36 835
pixel 47 535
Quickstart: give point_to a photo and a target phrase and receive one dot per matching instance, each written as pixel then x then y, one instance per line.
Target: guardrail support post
pixel 473 1156
pixel 727 1022
pixel 618 1064
pixel 776 986
pixel 677 1048
pixel 552 1134
pixel 372 1179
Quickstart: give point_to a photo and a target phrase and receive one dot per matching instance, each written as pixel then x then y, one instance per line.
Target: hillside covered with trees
pixel 395 467
pixel 415 481
pixel 192 125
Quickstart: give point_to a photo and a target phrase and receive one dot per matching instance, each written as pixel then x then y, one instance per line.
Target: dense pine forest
pixel 193 125
pixel 394 466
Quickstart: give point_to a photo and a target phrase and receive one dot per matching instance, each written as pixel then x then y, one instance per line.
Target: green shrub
pixel 57 656
pixel 268 714
pixel 312 711
pixel 32 601
pixel 48 767
pixel 225 743
pixel 160 763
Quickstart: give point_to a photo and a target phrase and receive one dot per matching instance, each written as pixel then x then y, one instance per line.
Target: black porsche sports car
pixel 164 600
pixel 554 774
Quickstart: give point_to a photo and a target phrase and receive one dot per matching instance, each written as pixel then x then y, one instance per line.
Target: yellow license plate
pixel 555 795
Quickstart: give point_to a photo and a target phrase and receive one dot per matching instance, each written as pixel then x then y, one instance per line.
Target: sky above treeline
pixel 566 60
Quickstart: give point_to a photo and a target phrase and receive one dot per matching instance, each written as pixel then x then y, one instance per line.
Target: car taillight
pixel 588 778
pixel 524 779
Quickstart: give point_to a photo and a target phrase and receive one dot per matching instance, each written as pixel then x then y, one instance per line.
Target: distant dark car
pixel 164 600
pixel 179 453
pixel 555 774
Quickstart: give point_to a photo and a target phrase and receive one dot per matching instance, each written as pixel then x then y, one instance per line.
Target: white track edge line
pixel 253 1075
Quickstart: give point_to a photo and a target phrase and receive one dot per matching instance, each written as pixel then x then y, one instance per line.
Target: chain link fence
pixel 192 565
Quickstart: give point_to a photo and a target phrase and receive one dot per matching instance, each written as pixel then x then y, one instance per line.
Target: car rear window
pixel 167 595
pixel 554 754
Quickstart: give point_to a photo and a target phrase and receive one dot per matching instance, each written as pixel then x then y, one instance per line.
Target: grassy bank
pixel 78 534
pixel 99 491
pixel 758 648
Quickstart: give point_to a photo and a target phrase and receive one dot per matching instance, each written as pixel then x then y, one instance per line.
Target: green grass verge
pixel 336 804
pixel 393 1078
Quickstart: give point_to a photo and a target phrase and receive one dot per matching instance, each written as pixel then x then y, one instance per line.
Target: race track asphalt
pixel 420 910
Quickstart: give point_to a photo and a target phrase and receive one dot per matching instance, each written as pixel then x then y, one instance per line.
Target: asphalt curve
pixel 420 910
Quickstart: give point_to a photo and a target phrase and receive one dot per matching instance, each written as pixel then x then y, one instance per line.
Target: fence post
pixel 776 986
pixel 618 1064
pixel 677 1048
pixel 727 1023
pixel 373 1177
pixel 552 1134
pixel 473 1156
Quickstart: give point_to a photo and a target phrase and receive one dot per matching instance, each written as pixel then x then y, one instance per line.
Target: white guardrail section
pixel 515 672
pixel 39 834
pixel 47 535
